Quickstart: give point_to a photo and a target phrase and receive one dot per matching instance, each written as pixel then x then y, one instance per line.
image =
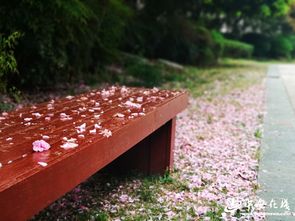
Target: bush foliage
pixel 278 46
pixel 234 48
pixel 281 47
pixel 231 48
pixel 8 64
pixel 62 40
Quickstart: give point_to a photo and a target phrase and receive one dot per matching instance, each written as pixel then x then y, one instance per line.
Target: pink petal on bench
pixel 38 115
pixel 43 164
pixel 45 137
pixel 106 93
pixel 81 136
pixel 97 126
pixel 40 145
pixel 81 128
pixel 92 131
pixel 69 145
pixel 139 99
pixel 132 105
pixel 69 97
pixel 106 133
pixel 124 91
pixel 119 115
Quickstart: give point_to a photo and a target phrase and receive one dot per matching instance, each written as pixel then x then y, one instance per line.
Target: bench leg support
pixel 161 148
pixel 151 156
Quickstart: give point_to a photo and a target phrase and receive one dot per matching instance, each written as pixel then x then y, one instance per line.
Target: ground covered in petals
pixel 216 162
pixel 218 151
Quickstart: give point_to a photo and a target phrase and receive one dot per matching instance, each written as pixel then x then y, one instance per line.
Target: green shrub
pixel 234 49
pixel 281 47
pixel 185 42
pixel 147 74
pixel 8 63
pixel 261 43
pixel 139 71
pixel 63 40
pixel 218 43
pixel 174 38
pixel 231 48
pixel 272 46
pixel 292 41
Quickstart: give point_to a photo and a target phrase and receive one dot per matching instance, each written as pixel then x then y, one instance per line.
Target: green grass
pixel 258 134
pixel 199 81
pixel 230 74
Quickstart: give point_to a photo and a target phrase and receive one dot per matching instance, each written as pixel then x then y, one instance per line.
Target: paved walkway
pixel 277 166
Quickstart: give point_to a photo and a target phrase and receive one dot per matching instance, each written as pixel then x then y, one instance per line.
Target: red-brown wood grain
pixel 26 187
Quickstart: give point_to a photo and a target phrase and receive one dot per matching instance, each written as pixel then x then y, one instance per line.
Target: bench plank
pixel 24 182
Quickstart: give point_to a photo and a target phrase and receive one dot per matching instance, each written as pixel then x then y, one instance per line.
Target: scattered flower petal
pixel 45 137
pixel 96 116
pixel 81 136
pixel 97 126
pixel 106 133
pixel 92 131
pixel 81 128
pixel 40 146
pixel 132 105
pixel 69 97
pixel 43 164
pixel 47 118
pixel 69 145
pixel 37 115
pixel 119 115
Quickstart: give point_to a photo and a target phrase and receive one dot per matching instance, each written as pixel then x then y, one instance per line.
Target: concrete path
pixel 277 166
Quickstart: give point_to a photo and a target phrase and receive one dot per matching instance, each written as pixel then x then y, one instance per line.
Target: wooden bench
pixel 135 126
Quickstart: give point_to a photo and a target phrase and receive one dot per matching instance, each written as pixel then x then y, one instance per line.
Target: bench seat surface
pixel 111 120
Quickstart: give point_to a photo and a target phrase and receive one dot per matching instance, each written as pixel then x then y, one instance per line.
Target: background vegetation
pixel 47 43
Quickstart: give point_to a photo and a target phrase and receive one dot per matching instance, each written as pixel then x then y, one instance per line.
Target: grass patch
pixel 230 74
pixel 199 81
pixel 258 134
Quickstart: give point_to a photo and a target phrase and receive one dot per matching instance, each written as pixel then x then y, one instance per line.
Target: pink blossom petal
pixel 43 164
pixel 132 105
pixel 69 145
pixel 40 146
pixel 106 133
pixel 92 131
pixel 45 137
